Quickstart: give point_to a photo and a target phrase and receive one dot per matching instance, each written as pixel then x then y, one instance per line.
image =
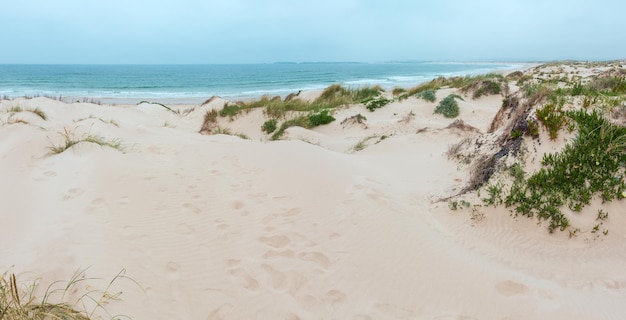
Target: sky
pixel 266 31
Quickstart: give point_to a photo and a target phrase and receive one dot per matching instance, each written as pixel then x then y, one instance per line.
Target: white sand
pixel 218 227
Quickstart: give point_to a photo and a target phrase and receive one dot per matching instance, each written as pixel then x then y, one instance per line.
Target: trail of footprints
pixel 271 272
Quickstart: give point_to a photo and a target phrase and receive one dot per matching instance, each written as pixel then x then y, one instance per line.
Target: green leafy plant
pixel 448 107
pixel 428 95
pixel 320 118
pixel 377 103
pixel 593 164
pixel 553 118
pixel 495 194
pixel 269 126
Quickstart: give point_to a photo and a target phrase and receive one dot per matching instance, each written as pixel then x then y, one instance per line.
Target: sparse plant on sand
pixel 18 300
pixel 552 117
pixel 36 111
pixel 428 95
pixel 362 144
pixel 70 138
pixel 210 122
pixel 376 103
pixel 269 126
pixel 448 107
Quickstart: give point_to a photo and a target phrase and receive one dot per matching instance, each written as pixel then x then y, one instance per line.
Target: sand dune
pixel 219 227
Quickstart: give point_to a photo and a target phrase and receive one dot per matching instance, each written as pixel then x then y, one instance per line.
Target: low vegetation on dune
pixel 13 113
pixel 590 166
pixel 70 138
pixel 478 85
pixel 448 107
pixel 291 111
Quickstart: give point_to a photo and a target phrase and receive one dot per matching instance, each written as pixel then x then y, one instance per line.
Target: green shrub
pixel 230 110
pixel 320 118
pixel 269 126
pixel 374 104
pixel 448 107
pixel 428 95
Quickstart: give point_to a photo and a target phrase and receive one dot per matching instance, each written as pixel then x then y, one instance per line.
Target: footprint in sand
pixel 277 241
pixel 276 279
pixel 241 276
pixel 316 257
pixel 510 288
pixel 334 297
pixel 73 193
pixel 192 208
pixel 278 254
pixel 221 313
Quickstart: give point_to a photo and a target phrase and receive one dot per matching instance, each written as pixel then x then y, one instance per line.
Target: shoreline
pixel 196 98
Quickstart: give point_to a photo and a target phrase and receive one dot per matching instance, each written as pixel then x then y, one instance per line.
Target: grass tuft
pixel 70 139
pixel 17 300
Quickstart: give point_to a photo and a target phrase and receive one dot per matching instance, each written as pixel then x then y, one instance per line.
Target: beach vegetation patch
pixel 362 144
pixel 36 111
pixel 592 165
pixel 320 118
pixel 483 87
pixel 230 110
pixel 269 126
pixel 70 139
pixel 448 107
pixel 376 103
pixel 307 121
pixel 552 117
pixel 536 93
pixel 398 91
pixel 428 95
pixel 514 76
pixel 463 83
pixel 210 122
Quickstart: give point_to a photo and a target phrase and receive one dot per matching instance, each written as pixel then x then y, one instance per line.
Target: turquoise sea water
pixel 197 82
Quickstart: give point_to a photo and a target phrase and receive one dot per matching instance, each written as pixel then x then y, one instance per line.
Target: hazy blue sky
pixel 253 31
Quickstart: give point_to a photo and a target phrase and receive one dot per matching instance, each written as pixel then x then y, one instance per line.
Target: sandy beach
pixel 347 220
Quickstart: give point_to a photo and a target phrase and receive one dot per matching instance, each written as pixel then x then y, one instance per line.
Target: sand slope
pixel 218 227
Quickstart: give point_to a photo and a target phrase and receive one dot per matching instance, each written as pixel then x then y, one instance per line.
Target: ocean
pixel 193 83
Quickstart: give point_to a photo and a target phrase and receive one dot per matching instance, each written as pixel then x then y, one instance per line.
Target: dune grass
pixel 36 111
pixel 70 139
pixel 18 300
pixel 479 85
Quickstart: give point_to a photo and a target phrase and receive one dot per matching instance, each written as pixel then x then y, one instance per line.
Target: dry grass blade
pixel 70 139
pixel 56 303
